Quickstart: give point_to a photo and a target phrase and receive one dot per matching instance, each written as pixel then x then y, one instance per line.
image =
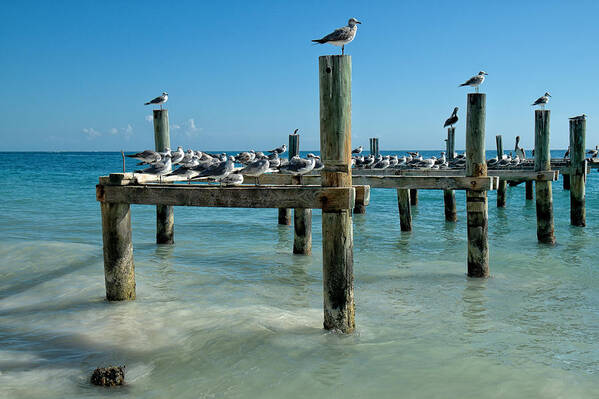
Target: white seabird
pixel 255 169
pixel 542 100
pixel 234 179
pixel 159 100
pixel 147 156
pixel 357 150
pixel 341 36
pixel 476 80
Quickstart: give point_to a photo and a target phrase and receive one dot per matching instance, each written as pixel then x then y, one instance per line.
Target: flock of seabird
pixel 222 167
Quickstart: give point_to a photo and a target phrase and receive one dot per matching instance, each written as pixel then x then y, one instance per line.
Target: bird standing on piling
pixel 475 81
pixel 453 119
pixel 357 150
pixel 159 100
pixel 578 118
pixel 594 153
pixel 542 100
pixel 341 36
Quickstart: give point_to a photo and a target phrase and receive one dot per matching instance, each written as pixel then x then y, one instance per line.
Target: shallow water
pixel 228 311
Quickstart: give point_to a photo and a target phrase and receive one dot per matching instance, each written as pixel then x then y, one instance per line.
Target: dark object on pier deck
pixel 108 376
pixel 476 201
pixel 544 197
pixel 578 169
pixel 165 216
pixel 337 230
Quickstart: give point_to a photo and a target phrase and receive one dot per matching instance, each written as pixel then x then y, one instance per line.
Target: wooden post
pixel 165 217
pixel 450 142
pixel 337 230
pixel 528 186
pixel 578 168
pixel 566 181
pixel 302 226
pixel 476 201
pixel 451 214
pixel 285 213
pixel 545 227
pixel 502 188
pixel 119 270
pixel 413 197
pixel 405 212
pixel 374 146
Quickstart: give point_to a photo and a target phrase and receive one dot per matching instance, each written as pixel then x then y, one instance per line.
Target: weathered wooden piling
pixel 545 227
pixel 529 188
pixel 451 214
pixel 566 181
pixel 578 169
pixel 165 216
pixel 414 197
pixel 337 230
pixel 374 146
pixel 302 226
pixel 502 188
pixel 476 201
pixel 119 270
pixel 293 150
pixel 405 212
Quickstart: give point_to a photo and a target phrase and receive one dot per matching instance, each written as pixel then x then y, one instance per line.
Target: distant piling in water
pixel 544 196
pixel 502 188
pixel 374 146
pixel 578 170
pixel 337 230
pixel 165 215
pixel 293 150
pixel 476 201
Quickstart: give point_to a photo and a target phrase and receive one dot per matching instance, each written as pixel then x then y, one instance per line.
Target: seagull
pixel 475 81
pixel 279 150
pixel 178 155
pixel 341 36
pixel 148 156
pixel 159 100
pixel 159 168
pixel 453 119
pixel 578 118
pixel 219 170
pixel 255 169
pixel 594 153
pixel 357 150
pixel 299 166
pixel 234 179
pixel 542 100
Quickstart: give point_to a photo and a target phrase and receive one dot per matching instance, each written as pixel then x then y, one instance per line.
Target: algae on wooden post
pixel 476 201
pixel 337 231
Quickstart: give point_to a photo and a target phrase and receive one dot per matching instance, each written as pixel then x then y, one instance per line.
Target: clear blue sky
pixel 244 74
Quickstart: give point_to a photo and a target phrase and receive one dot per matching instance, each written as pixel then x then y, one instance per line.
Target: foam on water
pixel 228 311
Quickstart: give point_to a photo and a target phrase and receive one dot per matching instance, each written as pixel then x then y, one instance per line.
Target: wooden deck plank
pixel 314 197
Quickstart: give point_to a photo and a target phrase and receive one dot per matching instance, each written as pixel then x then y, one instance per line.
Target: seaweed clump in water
pixel 109 376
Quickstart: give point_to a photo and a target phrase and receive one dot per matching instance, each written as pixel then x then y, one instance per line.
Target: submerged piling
pixel 302 226
pixel 413 197
pixel 451 214
pixel 566 181
pixel 405 212
pixel 529 188
pixel 476 201
pixel 119 270
pixel 545 226
pixel 337 234
pixel 502 188
pixel 578 171
pixel 165 217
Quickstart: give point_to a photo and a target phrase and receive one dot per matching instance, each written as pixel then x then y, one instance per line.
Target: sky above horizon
pixel 244 75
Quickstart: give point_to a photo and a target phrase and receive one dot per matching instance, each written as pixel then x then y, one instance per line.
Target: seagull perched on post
pixel 542 100
pixel 476 80
pixel 357 150
pixel 159 100
pixel 341 36
pixel 453 119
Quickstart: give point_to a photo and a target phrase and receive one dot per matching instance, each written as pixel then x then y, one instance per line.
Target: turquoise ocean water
pixel 229 311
